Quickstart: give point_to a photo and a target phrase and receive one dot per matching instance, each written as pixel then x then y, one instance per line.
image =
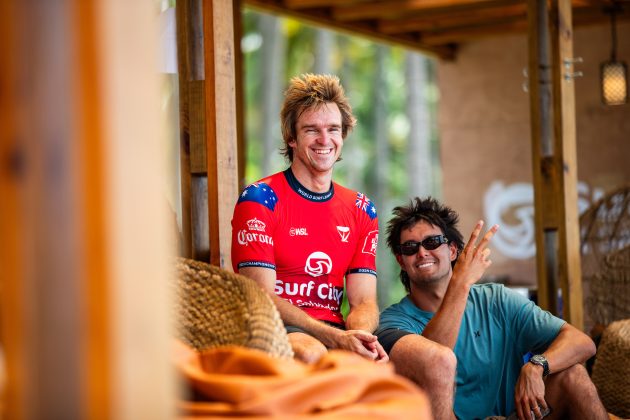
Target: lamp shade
pixel 614 75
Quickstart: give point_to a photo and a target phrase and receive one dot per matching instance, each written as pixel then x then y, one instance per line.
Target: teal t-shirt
pixel 498 328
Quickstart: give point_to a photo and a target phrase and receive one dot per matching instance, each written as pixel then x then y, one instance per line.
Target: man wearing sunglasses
pixel 489 328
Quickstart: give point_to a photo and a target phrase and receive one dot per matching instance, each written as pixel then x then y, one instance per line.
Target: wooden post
pixel 221 132
pixel 192 129
pixel 206 36
pixel 565 143
pixel 552 108
pixel 84 297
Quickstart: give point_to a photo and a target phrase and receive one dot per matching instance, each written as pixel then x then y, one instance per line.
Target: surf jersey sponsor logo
pixel 298 232
pixel 371 241
pixel 256 225
pixel 323 295
pixel 344 232
pixel 245 236
pixel 318 264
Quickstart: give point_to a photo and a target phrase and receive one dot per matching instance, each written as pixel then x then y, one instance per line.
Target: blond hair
pixel 312 91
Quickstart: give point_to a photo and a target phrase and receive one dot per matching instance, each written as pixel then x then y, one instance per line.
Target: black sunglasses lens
pixel 410 248
pixel 432 243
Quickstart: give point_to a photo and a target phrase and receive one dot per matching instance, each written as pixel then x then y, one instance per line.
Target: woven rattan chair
pixel 216 307
pixel 605 246
pixel 611 373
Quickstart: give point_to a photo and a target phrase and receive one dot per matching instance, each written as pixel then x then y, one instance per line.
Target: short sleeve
pixel 252 228
pixel 364 259
pixel 534 328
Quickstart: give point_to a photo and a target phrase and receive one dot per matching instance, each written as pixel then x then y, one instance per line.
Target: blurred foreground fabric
pixel 234 381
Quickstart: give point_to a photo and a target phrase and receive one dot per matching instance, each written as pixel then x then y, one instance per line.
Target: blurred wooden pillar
pixel 208 66
pixel 554 157
pixel 83 256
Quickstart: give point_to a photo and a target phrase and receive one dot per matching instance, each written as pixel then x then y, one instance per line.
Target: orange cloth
pixel 239 382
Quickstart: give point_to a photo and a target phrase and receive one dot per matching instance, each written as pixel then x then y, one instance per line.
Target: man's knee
pixel 307 348
pixel 427 363
pixel 570 377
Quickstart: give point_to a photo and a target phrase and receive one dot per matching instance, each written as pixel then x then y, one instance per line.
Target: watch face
pixel 538 358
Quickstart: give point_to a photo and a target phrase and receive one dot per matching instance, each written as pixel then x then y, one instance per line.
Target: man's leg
pixel 431 366
pixel 306 348
pixel 571 394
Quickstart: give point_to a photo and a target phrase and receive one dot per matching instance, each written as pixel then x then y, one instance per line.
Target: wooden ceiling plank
pixel 468 34
pixel 454 19
pixel 446 52
pixel 309 4
pixel 406 8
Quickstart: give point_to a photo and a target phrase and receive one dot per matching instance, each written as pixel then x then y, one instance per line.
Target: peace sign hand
pixel 473 260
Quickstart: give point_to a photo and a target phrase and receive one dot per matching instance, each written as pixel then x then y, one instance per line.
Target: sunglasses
pixel 430 243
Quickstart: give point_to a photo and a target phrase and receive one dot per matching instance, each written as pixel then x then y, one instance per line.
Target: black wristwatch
pixel 540 360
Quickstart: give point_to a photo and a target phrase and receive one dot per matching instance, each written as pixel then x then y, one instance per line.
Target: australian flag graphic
pixel 364 203
pixel 260 193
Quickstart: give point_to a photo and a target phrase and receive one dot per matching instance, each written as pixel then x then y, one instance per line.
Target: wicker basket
pixel 611 373
pixel 216 307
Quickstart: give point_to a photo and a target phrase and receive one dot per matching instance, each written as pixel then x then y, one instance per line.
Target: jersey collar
pixel 304 192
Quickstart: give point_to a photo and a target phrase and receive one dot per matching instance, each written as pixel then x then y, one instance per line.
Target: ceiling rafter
pixel 435 27
pixel 453 19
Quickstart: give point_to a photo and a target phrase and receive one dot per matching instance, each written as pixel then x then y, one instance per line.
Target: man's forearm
pixel 444 326
pixel 570 347
pixel 363 317
pixel 294 316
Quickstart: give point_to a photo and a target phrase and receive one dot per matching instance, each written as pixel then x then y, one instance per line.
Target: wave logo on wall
pixel 512 208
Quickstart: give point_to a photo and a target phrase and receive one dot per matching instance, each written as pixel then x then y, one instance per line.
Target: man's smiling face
pixel 319 140
pixel 426 266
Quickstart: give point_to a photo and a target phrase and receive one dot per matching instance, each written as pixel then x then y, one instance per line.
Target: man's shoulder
pixel 355 199
pixel 487 295
pixel 265 191
pixel 403 315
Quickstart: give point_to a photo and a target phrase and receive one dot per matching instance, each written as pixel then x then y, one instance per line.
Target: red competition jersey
pixel 312 240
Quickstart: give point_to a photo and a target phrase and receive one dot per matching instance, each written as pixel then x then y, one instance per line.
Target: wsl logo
pixel 318 264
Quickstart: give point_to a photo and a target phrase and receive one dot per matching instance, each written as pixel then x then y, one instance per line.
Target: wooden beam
pixel 183 64
pixel 569 266
pixel 84 223
pixel 452 19
pixel 193 159
pixel 445 52
pixel 544 174
pixel 554 158
pixel 221 125
pixel 406 8
pixel 138 241
pixel 240 93
pixel 464 34
pixel 309 4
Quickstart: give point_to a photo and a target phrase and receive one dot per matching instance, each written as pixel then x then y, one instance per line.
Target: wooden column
pixel 552 108
pixel 209 137
pixel 84 284
pixel 221 119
